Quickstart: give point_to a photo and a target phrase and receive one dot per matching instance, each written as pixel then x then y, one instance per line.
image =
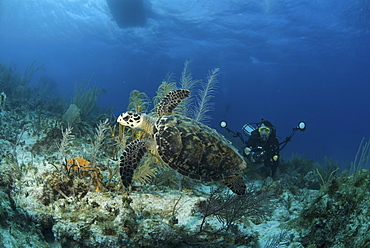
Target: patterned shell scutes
pixel 171 100
pixel 195 150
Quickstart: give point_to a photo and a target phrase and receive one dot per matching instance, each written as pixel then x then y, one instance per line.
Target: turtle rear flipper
pixel 236 184
pixel 130 159
pixel 171 100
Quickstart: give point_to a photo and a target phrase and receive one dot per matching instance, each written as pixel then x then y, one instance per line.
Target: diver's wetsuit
pixel 270 146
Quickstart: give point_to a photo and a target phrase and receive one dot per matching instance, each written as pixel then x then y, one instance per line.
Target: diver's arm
pixel 251 143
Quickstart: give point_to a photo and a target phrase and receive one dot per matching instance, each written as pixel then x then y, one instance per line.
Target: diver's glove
pixel 247 151
pixel 275 158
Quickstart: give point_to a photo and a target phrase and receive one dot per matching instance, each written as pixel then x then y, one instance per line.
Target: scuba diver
pixel 263 147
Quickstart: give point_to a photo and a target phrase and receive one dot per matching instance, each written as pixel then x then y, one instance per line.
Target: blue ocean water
pixel 284 61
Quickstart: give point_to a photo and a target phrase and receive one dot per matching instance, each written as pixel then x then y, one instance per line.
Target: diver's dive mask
pixel 264 132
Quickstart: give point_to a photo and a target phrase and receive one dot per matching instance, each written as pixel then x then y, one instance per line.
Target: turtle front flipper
pixel 171 100
pixel 130 159
pixel 236 184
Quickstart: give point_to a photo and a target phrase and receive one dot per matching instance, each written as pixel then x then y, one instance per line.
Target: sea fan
pixel 99 137
pixel 147 171
pixel 187 82
pixel 139 102
pixel 205 94
pixel 85 97
pixel 67 138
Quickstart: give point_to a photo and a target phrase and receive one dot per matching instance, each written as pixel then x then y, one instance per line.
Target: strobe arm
pixel 301 126
pixel 223 124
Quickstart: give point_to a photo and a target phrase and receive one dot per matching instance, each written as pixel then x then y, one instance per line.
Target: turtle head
pixel 130 119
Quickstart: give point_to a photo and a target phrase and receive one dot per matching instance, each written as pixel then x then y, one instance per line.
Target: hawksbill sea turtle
pixel 185 145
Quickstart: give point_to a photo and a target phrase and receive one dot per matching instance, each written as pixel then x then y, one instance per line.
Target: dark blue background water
pixel 284 61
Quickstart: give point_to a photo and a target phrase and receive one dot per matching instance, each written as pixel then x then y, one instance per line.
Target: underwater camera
pixel 257 155
pixel 250 127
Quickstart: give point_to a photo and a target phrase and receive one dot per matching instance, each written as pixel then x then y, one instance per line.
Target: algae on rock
pixel 16 228
pixel 339 216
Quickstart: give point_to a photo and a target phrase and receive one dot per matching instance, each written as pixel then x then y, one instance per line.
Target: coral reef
pixel 59 188
pixel 2 100
pixel 16 228
pixel 339 214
